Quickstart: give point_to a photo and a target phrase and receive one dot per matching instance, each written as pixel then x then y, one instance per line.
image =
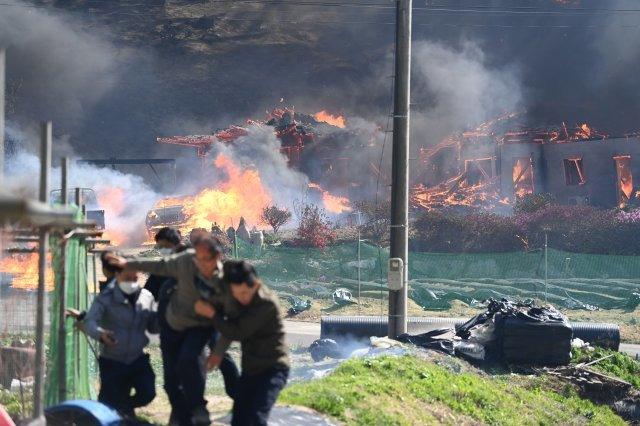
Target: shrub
pixel 531 203
pixel 571 228
pixel 314 229
pixel 447 232
pixel 578 229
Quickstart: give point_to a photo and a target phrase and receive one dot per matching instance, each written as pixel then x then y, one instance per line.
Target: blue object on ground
pixel 79 412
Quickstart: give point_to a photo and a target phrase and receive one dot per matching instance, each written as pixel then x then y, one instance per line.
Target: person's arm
pixel 222 345
pixel 92 319
pixel 165 266
pixel 246 325
pixel 91 324
pixel 153 326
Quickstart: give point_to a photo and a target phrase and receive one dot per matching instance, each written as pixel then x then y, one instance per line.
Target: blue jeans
pixel 256 395
pixel 184 369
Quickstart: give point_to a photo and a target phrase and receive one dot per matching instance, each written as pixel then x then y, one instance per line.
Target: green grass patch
pixel 406 390
pixel 13 404
pixel 619 364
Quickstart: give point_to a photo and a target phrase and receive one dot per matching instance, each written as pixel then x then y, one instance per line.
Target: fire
pixel 325 117
pixel 522 177
pixel 112 201
pixel 242 194
pixel 625 179
pixel 333 203
pixel 24 268
pixel 455 192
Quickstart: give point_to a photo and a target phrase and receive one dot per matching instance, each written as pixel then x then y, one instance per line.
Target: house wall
pixel 598 167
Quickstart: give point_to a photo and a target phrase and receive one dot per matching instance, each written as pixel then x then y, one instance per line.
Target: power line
pixel 517 10
pixel 299 22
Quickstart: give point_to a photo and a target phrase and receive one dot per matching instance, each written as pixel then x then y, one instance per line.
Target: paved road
pixel 632 350
pixel 301 333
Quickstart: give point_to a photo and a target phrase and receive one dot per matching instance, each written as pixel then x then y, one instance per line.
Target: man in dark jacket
pixel 258 325
pixel 118 319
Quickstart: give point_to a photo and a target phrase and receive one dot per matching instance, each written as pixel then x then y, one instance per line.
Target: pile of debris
pixel 513 332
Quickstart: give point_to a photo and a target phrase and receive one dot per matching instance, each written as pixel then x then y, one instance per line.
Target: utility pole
pixel 2 85
pixel 62 318
pixel 399 232
pixel 43 248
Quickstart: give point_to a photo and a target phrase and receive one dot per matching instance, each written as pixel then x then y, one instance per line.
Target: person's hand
pixel 213 361
pixel 73 313
pixel 115 260
pixel 204 309
pixel 107 338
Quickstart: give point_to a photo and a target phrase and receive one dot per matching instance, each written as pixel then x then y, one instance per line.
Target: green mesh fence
pixel 574 281
pixel 79 361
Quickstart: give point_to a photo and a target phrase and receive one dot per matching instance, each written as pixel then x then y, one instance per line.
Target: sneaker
pixel 200 416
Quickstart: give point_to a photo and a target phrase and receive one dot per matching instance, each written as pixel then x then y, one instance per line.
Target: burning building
pixel 488 168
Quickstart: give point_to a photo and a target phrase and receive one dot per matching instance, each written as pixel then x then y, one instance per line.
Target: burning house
pixel 486 168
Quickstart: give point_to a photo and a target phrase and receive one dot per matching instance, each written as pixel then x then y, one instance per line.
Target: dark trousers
pixel 255 396
pixel 117 379
pixel 185 372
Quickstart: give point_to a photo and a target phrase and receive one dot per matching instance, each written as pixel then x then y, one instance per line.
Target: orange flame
pixel 333 203
pixel 112 201
pixel 522 177
pixel 325 117
pixel 242 194
pixel 24 268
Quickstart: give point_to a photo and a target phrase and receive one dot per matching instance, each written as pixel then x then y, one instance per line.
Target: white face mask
pixel 129 287
pixel 165 251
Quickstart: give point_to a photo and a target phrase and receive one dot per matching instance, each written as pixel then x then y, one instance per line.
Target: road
pixel 301 333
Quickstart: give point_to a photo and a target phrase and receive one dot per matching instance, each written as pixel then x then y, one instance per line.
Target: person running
pixel 258 326
pixel 118 318
pixel 198 273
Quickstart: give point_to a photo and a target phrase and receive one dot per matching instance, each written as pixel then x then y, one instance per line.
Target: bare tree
pixel 275 217
pixel 376 221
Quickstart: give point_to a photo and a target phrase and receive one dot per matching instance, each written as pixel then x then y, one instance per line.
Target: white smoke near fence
pixel 125 198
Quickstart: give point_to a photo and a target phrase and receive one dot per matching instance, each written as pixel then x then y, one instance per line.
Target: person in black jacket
pixel 168 242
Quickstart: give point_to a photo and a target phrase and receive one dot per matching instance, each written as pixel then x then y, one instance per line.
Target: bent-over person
pixel 259 328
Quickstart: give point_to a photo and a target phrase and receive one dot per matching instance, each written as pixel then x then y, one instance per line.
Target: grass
pixel 618 364
pixel 407 390
pixel 12 403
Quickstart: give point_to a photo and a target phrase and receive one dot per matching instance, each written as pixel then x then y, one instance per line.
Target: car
pixel 159 217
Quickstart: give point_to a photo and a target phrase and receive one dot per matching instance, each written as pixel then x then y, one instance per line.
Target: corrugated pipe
pixel 335 327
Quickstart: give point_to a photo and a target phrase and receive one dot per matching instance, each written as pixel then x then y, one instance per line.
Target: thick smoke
pixel 62 69
pixel 455 89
